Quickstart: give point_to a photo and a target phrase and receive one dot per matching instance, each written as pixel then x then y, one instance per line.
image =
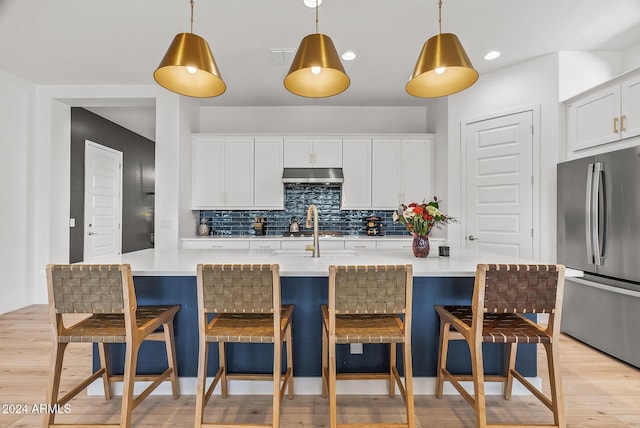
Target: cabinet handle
pixel 622 119
pixel 615 125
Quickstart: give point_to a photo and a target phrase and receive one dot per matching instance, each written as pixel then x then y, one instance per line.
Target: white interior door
pixel 102 201
pixel 499 185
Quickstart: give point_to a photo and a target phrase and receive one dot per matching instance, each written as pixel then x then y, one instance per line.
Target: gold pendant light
pixel 188 67
pixel 316 70
pixel 443 67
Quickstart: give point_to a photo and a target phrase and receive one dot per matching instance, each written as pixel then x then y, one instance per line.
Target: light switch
pixel 72 222
pixel 356 348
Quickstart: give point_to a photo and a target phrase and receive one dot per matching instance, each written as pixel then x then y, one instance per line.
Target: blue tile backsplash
pixel 297 198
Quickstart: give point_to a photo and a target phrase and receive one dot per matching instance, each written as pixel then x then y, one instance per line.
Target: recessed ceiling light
pixel 348 55
pixel 492 55
pixel 312 3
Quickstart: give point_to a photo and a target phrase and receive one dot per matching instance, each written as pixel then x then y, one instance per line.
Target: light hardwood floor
pixel 599 391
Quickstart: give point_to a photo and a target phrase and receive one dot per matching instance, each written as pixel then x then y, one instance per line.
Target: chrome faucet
pixel 313 211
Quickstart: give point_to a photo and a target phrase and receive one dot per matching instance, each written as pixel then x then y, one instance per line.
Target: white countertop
pixel 182 262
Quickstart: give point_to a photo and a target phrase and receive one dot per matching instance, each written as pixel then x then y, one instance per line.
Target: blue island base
pixel 307 294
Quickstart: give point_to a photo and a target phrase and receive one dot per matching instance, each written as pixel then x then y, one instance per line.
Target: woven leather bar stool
pixel 245 303
pixel 106 294
pixel 502 293
pixel 364 307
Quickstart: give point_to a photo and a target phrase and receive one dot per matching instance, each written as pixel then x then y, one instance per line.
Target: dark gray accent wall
pixel 138 182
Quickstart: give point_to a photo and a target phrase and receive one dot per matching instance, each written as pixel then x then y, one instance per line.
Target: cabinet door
pixel 356 166
pixel 207 175
pixel 418 173
pixel 386 182
pixel 327 153
pixel 594 119
pixel 268 161
pixel 298 152
pixel 238 172
pixel 630 119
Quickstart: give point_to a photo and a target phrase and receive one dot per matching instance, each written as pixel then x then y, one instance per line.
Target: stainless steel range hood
pixel 313 175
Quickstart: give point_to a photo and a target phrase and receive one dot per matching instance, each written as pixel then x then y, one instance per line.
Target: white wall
pixel 16 139
pixel 530 84
pixel 189 123
pixel 580 71
pixel 313 119
pixel 48 207
pixel 631 57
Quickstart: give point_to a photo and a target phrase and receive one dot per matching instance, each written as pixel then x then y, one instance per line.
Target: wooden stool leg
pixel 104 363
pixel 325 362
pixel 442 357
pixel 223 365
pixel 55 371
pixel 477 371
pixel 408 384
pixel 511 364
pixel 277 373
pixel 169 339
pixel 555 384
pixel 332 383
pixel 130 365
pixel 289 344
pixel 392 365
pixel 201 401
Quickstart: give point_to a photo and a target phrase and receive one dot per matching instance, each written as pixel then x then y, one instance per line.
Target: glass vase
pixel 420 246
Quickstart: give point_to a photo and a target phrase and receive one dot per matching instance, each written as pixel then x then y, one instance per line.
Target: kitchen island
pixel 169 277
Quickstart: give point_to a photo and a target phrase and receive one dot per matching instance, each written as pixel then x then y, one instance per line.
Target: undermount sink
pixel 309 253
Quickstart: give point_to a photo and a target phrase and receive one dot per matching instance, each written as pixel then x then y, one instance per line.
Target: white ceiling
pixel 122 41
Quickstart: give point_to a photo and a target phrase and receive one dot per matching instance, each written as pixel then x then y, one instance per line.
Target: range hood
pixel 313 175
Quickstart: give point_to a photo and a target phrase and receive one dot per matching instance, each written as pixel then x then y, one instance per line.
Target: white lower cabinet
pixel 359 245
pixel 301 243
pixel 264 244
pixel 394 244
pixel 215 244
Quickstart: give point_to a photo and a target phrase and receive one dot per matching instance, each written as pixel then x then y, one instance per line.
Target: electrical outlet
pixel 356 348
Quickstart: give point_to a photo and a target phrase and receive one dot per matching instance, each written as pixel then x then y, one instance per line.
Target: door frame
pixel 536 171
pixel 87 144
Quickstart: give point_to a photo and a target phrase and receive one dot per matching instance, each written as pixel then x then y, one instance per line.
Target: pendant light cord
pixel 191 16
pixel 439 16
pixel 317 1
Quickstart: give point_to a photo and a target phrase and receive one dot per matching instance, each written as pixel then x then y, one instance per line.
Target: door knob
pixel 472 238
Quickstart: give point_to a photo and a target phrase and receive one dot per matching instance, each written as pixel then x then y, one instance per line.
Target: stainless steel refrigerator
pixel 599 233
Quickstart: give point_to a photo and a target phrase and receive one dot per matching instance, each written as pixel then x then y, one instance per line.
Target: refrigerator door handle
pixel 588 210
pixel 595 199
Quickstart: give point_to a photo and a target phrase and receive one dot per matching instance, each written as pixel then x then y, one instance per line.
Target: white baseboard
pixel 313 386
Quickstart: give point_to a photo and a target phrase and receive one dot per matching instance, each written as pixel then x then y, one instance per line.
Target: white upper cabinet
pixel 418 171
pixel 604 115
pixel 268 187
pixel 222 172
pixel 630 120
pixel 402 171
pixel 386 173
pixel 312 152
pixel 356 166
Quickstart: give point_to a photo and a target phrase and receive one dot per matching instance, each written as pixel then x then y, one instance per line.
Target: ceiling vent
pixel 282 56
